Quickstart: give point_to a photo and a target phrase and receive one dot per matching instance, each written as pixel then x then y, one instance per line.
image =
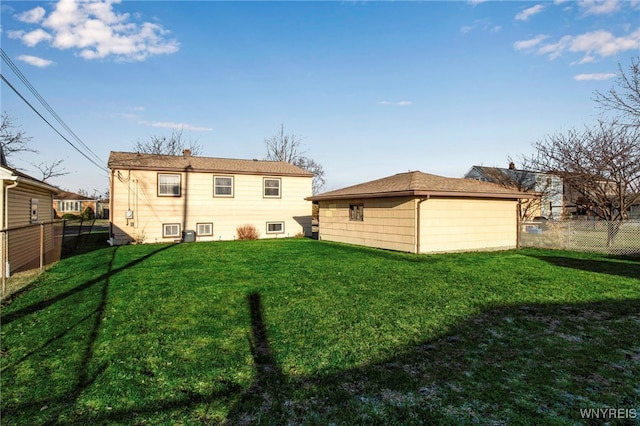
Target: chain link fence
pixel 615 238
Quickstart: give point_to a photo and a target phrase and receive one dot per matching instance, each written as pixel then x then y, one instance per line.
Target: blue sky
pixel 372 88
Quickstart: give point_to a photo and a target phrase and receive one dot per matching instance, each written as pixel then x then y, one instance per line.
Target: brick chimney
pixel 512 166
pixel 186 153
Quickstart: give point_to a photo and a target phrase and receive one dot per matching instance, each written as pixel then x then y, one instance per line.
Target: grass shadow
pixel 611 267
pixel 493 368
pixel 12 316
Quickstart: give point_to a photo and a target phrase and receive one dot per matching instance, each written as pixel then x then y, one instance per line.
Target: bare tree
pixel 94 194
pixel 288 148
pixel 625 98
pixel 601 163
pixel 13 139
pixel 312 167
pixel 168 145
pixel 50 170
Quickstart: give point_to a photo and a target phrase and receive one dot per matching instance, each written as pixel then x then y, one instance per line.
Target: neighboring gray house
pixel 551 204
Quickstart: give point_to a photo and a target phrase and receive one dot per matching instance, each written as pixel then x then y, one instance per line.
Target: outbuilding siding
pixel 455 224
pixel 389 223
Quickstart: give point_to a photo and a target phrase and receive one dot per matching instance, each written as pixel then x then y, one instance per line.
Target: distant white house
pixel 551 203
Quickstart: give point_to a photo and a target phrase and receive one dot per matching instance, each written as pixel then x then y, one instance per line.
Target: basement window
pixel 170 230
pixel 275 227
pixel 204 229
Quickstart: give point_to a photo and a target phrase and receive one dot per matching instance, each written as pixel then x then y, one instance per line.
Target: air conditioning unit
pixel 188 236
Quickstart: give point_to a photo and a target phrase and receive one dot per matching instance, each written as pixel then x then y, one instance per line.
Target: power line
pixel 44 103
pixel 33 90
pixel 51 125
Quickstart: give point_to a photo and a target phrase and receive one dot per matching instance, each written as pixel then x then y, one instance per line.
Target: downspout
pixel 518 222
pixel 111 239
pixel 5 237
pixel 418 220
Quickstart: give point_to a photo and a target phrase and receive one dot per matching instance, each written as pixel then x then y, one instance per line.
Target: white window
pixel 69 206
pixel 275 227
pixel 170 230
pixel 204 229
pixel 169 185
pixel 272 187
pixel 223 186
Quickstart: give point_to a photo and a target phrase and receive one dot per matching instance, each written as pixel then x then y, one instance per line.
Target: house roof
pixel 420 184
pixel 67 195
pixel 136 161
pixel 9 173
pixel 503 176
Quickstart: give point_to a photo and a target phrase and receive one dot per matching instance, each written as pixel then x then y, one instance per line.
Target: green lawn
pixel 299 331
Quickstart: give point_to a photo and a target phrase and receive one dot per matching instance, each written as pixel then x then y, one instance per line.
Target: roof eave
pixel 195 170
pixel 38 184
pixel 422 193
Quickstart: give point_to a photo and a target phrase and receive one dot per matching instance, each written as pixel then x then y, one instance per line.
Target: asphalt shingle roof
pixel 135 161
pixel 417 183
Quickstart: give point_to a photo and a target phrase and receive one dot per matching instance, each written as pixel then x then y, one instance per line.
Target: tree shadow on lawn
pixel 520 364
pixel 85 377
pixel 624 267
pixel 12 316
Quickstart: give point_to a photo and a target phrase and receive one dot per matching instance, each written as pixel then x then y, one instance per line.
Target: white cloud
pixel 398 103
pixel 95 31
pixel 35 61
pixel 593 45
pixel 594 76
pixel 34 37
pixel 528 44
pixel 599 7
pixel 172 125
pixel 527 13
pixel 32 16
pixel 481 24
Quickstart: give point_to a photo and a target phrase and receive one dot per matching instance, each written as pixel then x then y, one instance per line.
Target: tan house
pixel 164 198
pixel 26 203
pixel 422 213
pixel 66 202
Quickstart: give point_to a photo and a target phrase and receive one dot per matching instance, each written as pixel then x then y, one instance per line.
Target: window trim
pixel 164 230
pixel 232 186
pixel 264 187
pixel 356 212
pixel 179 194
pixel 275 222
pixel 207 234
